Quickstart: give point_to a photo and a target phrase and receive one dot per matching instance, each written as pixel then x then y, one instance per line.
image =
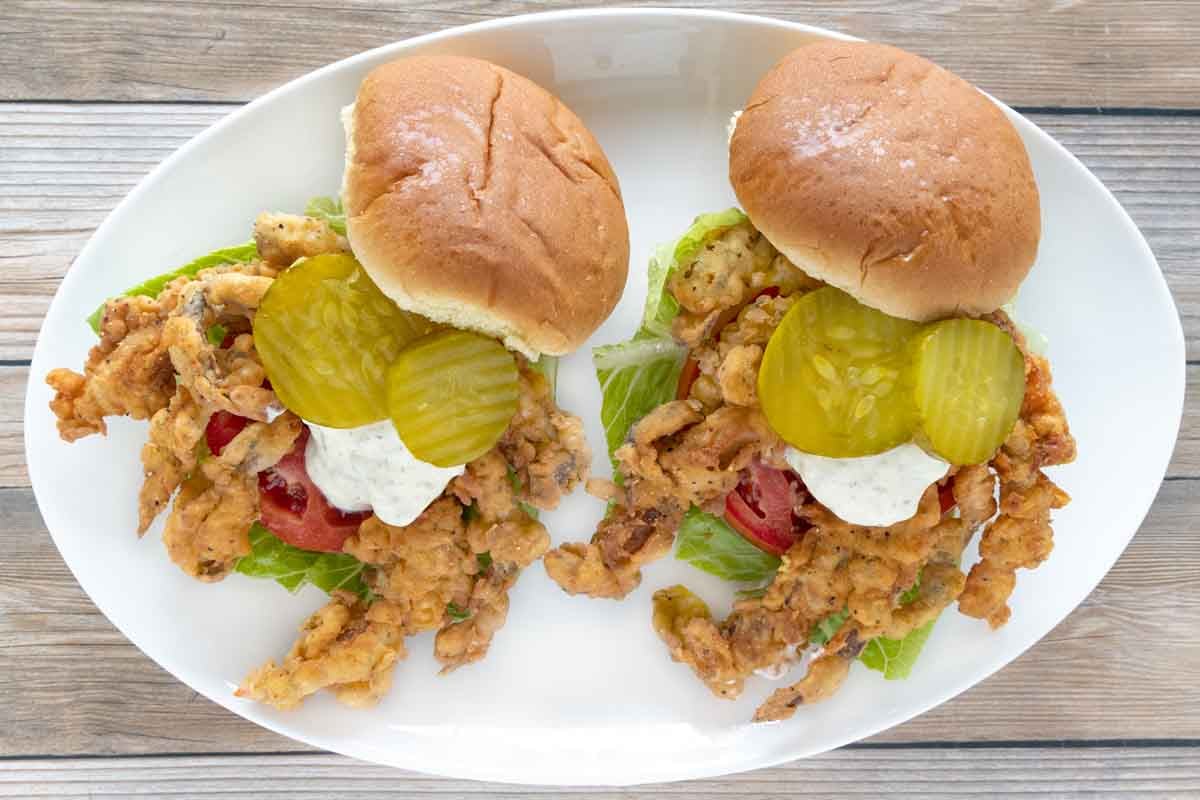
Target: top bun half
pixel 475 198
pixel 889 177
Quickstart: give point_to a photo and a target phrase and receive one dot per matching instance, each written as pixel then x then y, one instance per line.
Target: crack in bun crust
pixel 476 198
pixel 889 177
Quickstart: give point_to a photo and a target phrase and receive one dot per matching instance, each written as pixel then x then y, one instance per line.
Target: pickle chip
pixel 451 396
pixel 326 335
pixel 833 380
pixel 969 381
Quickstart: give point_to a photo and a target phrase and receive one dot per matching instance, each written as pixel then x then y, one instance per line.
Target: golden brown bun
pixel 476 198
pixel 890 177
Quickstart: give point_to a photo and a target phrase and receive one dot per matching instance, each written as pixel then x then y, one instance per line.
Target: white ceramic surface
pixel 579 691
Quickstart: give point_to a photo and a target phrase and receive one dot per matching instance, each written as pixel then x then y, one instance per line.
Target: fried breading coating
pixel 209 525
pixel 227 379
pixel 684 622
pixel 545 446
pixel 130 371
pixel 727 272
pixel 345 646
pixel 728 365
pixel 450 570
pixel 127 373
pixel 503 536
pixel 421 567
pixel 170 453
pixel 283 238
pixel 677 457
pixel 1021 536
pixel 207 530
pixel 834 567
pixel 451 562
pixel 864 571
pixel 824 677
pixel 975 493
pixel 468 641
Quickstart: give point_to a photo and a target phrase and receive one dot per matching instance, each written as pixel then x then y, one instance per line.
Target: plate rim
pixel 459 770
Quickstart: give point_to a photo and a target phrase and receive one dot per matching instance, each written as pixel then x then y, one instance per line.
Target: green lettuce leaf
pixel 643 373
pixel 911 592
pixel 326 208
pixel 824 630
pixel 895 657
pixel 708 543
pixel 635 378
pixel 292 568
pixel 515 481
pixel 548 366
pixel 329 209
pixel 661 306
pixel 216 334
pixel 227 255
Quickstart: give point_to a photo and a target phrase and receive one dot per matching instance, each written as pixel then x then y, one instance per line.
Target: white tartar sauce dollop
pixel 874 491
pixel 369 468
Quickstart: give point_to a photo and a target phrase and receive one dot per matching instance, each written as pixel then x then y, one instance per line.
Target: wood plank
pixel 1031 52
pixel 12 427
pixel 1149 772
pixel 1123 666
pixel 66 166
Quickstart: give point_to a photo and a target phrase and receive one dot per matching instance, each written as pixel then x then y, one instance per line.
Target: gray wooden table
pixel 94 94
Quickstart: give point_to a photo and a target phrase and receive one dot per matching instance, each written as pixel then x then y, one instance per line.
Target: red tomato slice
pixel 762 508
pixel 946 496
pixel 295 510
pixel 222 427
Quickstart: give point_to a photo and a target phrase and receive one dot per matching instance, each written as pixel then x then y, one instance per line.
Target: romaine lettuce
pixel 292 568
pixel 661 306
pixel 326 208
pixel 635 378
pixel 708 543
pixel 824 630
pixel 638 375
pixel 548 366
pixel 329 209
pixel 895 657
pixel 240 253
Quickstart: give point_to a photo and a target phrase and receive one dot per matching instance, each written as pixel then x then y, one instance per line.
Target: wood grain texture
pixel 1072 52
pixel 1124 665
pixel 1154 772
pixel 64 167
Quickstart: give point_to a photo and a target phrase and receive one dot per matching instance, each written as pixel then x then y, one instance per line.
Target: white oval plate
pixel 579 691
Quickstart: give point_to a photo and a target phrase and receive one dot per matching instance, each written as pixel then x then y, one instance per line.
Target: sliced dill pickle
pixel 326 335
pixel 833 377
pixel 969 381
pixel 451 396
